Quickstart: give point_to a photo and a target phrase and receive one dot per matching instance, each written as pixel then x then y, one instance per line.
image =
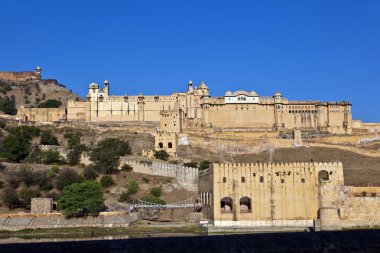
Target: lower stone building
pixel 296 195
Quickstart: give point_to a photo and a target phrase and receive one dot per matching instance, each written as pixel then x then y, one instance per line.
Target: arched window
pixel 224 179
pixel 160 145
pixel 243 179
pixel 226 205
pixel 323 175
pixel 170 145
pixel 245 205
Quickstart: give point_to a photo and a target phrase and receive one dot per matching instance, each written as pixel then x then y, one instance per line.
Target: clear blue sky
pixel 324 50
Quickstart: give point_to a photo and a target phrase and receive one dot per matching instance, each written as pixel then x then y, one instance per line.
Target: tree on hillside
pixel 82 199
pixel 10 198
pixel 48 139
pixel 17 143
pixel 50 103
pixel 191 164
pixel 162 155
pixel 106 154
pixel 8 106
pixel 73 139
pixel 67 177
pixel 204 165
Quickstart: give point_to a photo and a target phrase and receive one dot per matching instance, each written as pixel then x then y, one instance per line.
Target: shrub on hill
pixel 106 154
pixel 10 198
pixel 26 196
pixel 204 165
pixel 82 199
pixel 17 144
pixel 154 199
pixel 67 177
pixel 89 173
pixel 50 103
pixel 133 188
pixel 191 164
pixel 48 139
pixel 156 191
pixel 106 181
pixel 8 106
pixel 162 155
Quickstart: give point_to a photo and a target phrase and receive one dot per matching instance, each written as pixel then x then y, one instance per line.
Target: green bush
pixel 133 187
pixel 156 191
pixel 106 154
pixel 26 196
pixel 10 198
pixel 89 173
pixel 106 181
pixel 49 157
pixel 162 155
pixel 153 199
pixel 82 199
pixel 145 180
pixel 191 164
pixel 48 139
pixel 55 168
pixel 50 103
pixel 8 106
pixel 67 177
pixel 17 144
pixel 73 139
pixel 126 167
pixel 204 165
pixel 8 87
pixel 124 197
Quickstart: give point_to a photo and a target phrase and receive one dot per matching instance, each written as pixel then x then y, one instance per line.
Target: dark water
pixel 339 241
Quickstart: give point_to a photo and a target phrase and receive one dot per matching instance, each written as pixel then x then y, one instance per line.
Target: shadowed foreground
pixel 342 241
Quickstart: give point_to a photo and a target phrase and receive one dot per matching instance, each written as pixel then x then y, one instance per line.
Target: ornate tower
pixel 278 107
pixel 106 87
pixel 38 72
pixel 140 105
pixel 88 108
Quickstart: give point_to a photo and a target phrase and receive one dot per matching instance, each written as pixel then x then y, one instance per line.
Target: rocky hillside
pixel 32 93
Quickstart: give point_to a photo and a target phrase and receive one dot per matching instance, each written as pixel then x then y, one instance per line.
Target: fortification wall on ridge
pixel 186 177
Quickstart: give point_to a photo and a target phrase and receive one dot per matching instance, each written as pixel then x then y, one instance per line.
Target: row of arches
pixel 245 203
pixel 161 145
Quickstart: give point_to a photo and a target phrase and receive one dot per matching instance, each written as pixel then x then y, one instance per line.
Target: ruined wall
pixel 349 206
pixel 41 205
pixel 16 222
pixel 41 114
pixel 186 177
pixel 20 76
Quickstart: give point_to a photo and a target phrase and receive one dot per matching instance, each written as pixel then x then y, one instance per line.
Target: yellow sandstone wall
pixel 41 114
pixel 278 192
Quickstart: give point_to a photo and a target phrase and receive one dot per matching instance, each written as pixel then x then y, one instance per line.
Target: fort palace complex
pixel 195 108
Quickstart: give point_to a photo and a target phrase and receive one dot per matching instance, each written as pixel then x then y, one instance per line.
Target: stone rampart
pixel 19 76
pixel 359 150
pixel 186 177
pixel 57 220
pixel 235 144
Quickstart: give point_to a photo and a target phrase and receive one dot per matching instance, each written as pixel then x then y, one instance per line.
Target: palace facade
pixel 195 108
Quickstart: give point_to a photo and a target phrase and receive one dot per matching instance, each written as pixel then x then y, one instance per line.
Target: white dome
pixel 94 86
pixel 228 93
pixel 202 85
pixel 253 93
pixel 240 92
